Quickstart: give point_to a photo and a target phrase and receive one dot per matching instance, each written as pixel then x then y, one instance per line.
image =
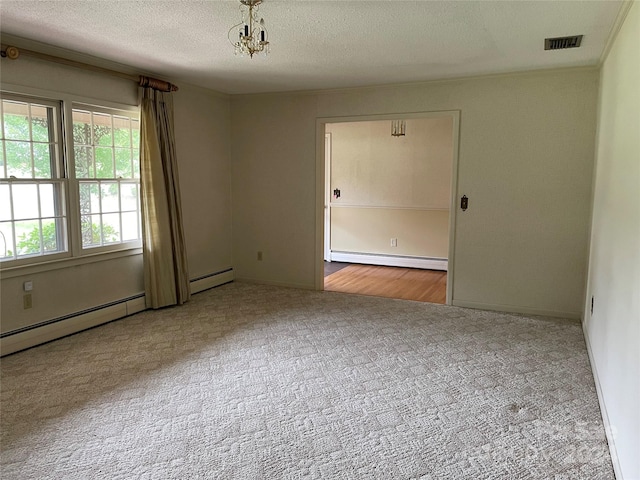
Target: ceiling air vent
pixel 559 43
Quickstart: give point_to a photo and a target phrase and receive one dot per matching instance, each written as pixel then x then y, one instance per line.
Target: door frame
pixel 321 189
pixel 327 197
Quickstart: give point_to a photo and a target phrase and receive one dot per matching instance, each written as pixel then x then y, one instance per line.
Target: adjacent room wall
pixel 525 162
pixel 613 329
pixel 392 187
pixel 419 232
pixel 202 138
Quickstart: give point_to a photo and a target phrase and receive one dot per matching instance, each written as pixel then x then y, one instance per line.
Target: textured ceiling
pixel 322 44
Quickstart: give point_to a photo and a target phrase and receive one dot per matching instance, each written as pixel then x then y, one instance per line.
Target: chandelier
pixel 398 128
pixel 252 36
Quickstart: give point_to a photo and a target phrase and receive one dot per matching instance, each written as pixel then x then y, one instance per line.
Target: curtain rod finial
pixel 10 52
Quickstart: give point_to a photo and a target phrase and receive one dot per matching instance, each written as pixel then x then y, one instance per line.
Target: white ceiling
pixel 319 44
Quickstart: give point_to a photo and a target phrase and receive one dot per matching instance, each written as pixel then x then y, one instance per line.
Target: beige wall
pixel 372 168
pixel 613 330
pixel 202 127
pixel 420 233
pixel 273 170
pixel 525 162
pixel 407 179
pixel 202 137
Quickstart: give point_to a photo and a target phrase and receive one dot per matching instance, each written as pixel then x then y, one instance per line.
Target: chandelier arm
pixel 229 34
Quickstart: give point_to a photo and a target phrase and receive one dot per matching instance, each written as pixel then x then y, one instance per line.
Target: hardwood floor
pixel 392 282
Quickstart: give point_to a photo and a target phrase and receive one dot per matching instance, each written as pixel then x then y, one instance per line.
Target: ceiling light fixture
pixel 252 34
pixel 398 128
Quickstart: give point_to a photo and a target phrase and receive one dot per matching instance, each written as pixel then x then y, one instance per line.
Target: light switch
pixel 28 286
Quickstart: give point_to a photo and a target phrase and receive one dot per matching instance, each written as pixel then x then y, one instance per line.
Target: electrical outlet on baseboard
pixel 394 242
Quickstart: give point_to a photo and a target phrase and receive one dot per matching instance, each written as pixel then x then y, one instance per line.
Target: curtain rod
pixel 13 53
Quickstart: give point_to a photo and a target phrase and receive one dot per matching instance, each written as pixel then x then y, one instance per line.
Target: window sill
pixel 58 264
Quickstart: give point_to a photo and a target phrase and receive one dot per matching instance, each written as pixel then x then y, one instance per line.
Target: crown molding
pixel 615 29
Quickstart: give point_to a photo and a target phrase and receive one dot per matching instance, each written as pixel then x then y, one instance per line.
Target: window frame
pixel 58 175
pixel 75 254
pixel 75 182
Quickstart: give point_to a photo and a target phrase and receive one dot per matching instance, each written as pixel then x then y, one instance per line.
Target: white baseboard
pixel 391 260
pixel 617 470
pixel 136 305
pixel 46 333
pixel 83 320
pixel 215 280
pixel 517 309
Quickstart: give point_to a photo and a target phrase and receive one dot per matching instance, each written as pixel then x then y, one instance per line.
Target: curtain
pixel 166 276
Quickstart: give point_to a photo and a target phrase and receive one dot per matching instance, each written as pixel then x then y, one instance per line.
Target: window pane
pixel 136 165
pixel 39 124
pixel 122 131
pixel 25 201
pixel 16 120
pixel 111 228
pixel 135 133
pixel 47 200
pixel 91 230
pixel 95 198
pixel 28 237
pixel 19 159
pixel 130 226
pixel 84 162
pixel 89 198
pixel 123 163
pixel 110 194
pixel 7 249
pixel 5 202
pixel 104 163
pixel 52 230
pixel 81 127
pixel 129 196
pixel 42 160
pixel 102 129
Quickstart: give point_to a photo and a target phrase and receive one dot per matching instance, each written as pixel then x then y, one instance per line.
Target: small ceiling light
pixel 398 128
pixel 252 36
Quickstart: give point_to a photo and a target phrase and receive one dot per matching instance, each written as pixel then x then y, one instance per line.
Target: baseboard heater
pixel 53 329
pixel 391 260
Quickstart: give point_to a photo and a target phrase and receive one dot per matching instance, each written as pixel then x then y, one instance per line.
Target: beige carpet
pixel 258 382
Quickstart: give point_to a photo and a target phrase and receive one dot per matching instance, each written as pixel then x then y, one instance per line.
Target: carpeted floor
pixel 259 382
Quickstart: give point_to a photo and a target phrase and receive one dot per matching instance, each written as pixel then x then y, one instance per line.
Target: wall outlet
pixel 26 301
pixel 28 286
pixel 394 242
pixel 259 256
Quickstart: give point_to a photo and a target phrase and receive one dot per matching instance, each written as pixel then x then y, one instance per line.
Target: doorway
pixel 388 200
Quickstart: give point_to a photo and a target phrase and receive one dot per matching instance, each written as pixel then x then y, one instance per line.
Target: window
pixel 32 190
pixel 65 194
pixel 107 168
